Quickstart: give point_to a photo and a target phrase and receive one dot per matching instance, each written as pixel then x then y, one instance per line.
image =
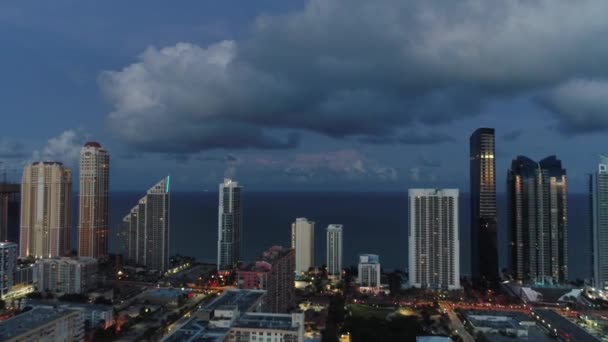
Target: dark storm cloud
pixel 512 135
pixel 581 105
pixel 387 65
pixel 409 138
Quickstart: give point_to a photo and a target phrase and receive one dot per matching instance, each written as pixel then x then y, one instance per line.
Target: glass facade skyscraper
pixel 538 223
pixel 229 225
pixel 484 251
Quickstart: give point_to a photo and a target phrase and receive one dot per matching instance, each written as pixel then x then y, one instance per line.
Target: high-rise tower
pixel 93 209
pixel 229 225
pixel 46 210
pixel 334 251
pixel 600 224
pixel 434 246
pixel 484 251
pixel 303 241
pixel 146 229
pixel 538 223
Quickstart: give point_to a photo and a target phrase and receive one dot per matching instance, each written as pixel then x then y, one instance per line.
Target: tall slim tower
pixel 434 246
pixel 600 224
pixel 334 251
pixel 484 251
pixel 46 210
pixel 229 225
pixel 93 210
pixel 303 241
pixel 146 229
pixel 10 202
pixel 538 224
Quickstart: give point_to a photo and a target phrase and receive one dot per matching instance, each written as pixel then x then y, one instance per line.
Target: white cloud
pixel 63 148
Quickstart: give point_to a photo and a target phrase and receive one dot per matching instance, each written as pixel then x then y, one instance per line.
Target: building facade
pixel 43 324
pixel 8 265
pixel 484 249
pixel 434 246
pixel 538 221
pixel 46 210
pixel 93 199
pixel 600 224
pixel 10 205
pixel 303 241
pixel 369 272
pixel 146 229
pixel 65 275
pixel 334 251
pixel 230 223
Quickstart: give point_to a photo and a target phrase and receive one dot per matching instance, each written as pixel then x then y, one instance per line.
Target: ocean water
pixel 373 223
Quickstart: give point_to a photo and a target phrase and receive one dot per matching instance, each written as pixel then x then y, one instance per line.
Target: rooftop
pixel 46 303
pixel 197 331
pixel 243 299
pixel 433 339
pixel 266 321
pixel 92 144
pixel 29 320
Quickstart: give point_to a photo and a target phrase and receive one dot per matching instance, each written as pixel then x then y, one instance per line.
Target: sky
pixel 336 95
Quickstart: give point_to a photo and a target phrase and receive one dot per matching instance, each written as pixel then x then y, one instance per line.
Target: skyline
pixel 315 140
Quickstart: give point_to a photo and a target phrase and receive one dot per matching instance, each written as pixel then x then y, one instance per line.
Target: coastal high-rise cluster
pixel 146 229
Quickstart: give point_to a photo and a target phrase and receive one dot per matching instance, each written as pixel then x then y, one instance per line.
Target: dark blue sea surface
pixel 373 223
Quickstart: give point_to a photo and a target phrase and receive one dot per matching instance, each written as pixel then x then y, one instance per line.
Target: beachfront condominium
pixel 9 211
pixel 46 210
pixel 93 199
pixel 334 251
pixel 303 241
pixel 8 265
pixel 600 224
pixel 146 229
pixel 369 273
pixel 484 251
pixel 538 221
pixel 434 246
pixel 230 223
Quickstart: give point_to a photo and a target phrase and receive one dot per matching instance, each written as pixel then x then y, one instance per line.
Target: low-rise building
pixel 65 275
pixel 268 327
pixel 245 301
pixel 93 314
pixel 42 324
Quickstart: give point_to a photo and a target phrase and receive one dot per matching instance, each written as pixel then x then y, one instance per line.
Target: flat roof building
pixel 43 324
